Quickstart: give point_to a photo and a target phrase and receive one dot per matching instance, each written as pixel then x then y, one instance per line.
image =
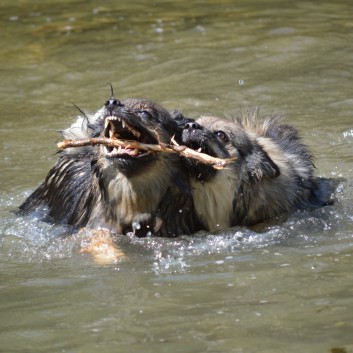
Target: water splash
pixel 168 264
pixel 26 239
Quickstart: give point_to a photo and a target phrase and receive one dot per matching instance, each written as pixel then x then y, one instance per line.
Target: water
pixel 283 287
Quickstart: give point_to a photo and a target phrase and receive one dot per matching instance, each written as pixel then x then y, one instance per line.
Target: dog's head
pixel 138 120
pixel 225 138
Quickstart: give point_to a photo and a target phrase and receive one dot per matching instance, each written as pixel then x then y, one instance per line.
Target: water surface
pixel 286 287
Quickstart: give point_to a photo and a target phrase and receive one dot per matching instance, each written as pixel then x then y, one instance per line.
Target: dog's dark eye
pixel 144 114
pixel 221 135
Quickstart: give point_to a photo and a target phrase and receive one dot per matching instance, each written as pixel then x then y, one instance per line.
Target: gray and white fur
pixel 122 189
pixel 272 174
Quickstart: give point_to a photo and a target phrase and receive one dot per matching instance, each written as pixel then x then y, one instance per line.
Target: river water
pixel 287 287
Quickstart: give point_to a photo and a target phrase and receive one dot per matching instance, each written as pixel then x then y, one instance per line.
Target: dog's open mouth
pixel 117 128
pixel 202 148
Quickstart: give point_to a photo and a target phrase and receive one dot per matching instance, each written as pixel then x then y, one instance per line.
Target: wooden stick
pixel 217 163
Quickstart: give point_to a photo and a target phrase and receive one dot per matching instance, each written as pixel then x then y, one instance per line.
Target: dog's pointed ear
pixel 260 165
pixel 180 118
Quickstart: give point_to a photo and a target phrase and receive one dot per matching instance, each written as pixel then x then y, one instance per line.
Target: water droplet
pixel 135 226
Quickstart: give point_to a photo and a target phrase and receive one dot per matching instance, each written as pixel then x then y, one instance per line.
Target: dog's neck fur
pixel 127 201
pixel 216 210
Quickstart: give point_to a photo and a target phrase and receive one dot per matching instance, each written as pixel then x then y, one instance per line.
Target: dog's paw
pixel 101 246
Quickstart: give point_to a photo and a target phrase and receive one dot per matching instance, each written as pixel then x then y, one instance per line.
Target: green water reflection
pixel 292 293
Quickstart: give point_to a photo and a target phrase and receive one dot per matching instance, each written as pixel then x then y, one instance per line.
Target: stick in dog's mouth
pixel 114 145
pixel 117 128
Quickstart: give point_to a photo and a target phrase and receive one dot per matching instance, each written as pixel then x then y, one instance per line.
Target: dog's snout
pixel 192 125
pixel 111 104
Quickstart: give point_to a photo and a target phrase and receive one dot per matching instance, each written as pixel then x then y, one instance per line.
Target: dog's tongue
pixel 129 151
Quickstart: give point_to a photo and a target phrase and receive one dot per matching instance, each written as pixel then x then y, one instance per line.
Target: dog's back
pixel 294 186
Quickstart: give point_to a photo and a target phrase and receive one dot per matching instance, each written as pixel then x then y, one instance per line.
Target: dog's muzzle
pixel 118 128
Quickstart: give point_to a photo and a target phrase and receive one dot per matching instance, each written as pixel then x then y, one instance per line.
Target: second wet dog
pixel 272 174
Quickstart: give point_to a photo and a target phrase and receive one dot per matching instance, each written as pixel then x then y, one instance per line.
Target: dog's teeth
pixel 137 134
pixel 134 152
pixel 123 124
pixel 199 150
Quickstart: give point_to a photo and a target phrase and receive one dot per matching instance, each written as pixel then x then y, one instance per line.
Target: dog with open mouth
pixel 120 189
pixel 272 173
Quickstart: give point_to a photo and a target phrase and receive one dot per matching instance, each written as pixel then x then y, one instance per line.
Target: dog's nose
pixel 192 125
pixel 111 104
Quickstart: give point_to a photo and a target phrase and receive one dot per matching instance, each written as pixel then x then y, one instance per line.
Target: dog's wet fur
pixel 162 194
pixel 123 190
pixel 272 174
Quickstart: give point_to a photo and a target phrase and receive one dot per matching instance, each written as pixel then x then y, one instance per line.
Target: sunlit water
pixel 285 286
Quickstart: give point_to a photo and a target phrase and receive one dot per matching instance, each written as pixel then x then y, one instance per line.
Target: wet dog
pixel 272 174
pixel 120 189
